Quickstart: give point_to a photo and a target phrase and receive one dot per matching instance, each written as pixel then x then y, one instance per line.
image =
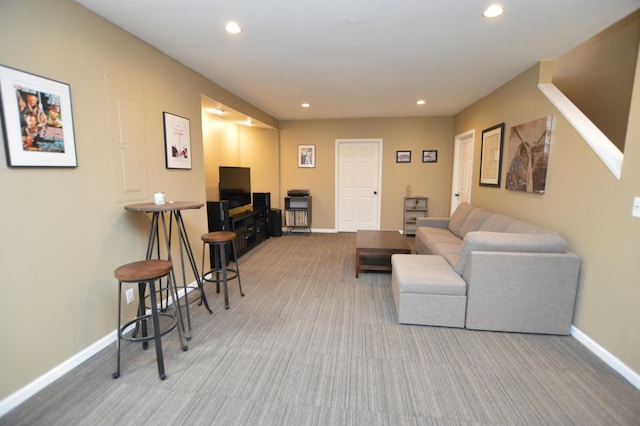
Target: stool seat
pixel 219 237
pixel 143 270
pixel 220 273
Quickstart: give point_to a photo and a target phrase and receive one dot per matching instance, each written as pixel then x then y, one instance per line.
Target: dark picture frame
pixel 177 141
pixel 491 156
pixel 37 120
pixel 403 156
pixel 430 156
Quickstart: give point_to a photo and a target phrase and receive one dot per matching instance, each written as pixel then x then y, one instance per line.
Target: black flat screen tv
pixel 235 186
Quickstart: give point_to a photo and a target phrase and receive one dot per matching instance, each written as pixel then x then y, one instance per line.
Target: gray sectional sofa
pixel 486 271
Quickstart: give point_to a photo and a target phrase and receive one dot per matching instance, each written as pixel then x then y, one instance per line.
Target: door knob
pixel 375 192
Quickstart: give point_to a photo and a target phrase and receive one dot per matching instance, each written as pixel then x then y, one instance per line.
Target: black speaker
pixel 218 216
pixel 262 201
pixel 276 222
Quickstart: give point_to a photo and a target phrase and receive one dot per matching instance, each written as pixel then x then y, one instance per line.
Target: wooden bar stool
pixel 218 243
pixel 147 272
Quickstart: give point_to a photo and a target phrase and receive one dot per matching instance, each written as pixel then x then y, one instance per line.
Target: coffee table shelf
pixel 374 249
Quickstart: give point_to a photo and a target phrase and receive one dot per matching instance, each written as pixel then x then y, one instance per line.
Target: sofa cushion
pixel 459 216
pixel 438 242
pixel 522 227
pixel 474 221
pixel 426 275
pixel 497 222
pixel 508 242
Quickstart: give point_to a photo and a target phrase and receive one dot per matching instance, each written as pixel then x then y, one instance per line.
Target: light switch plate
pixel 636 207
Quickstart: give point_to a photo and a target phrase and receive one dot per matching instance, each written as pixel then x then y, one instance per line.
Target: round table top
pixel 166 207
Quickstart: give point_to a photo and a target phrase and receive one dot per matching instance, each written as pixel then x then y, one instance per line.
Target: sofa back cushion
pixel 523 227
pixel 508 242
pixel 458 217
pixel 497 222
pixel 474 221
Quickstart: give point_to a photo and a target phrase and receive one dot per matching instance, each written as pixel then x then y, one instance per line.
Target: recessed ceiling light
pixel 493 11
pixel 421 102
pixel 305 105
pixel 218 111
pixel 233 28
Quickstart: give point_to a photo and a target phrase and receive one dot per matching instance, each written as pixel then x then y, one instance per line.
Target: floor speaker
pixel 276 222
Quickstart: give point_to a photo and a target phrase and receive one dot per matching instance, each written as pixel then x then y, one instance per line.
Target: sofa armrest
pixel 521 292
pixel 433 222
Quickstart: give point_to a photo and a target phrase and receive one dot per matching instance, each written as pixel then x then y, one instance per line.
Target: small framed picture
pixel 177 141
pixel 306 155
pixel 430 156
pixel 37 120
pixel 403 156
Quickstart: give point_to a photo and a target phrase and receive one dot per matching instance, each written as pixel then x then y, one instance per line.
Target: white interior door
pixel 358 182
pixel 462 169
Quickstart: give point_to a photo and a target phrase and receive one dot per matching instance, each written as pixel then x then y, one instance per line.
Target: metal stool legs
pixel 217 242
pixel 146 273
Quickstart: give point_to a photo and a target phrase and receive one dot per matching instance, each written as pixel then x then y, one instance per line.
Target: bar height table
pixel 174 208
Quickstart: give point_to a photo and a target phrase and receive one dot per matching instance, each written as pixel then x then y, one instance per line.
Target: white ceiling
pixel 361 58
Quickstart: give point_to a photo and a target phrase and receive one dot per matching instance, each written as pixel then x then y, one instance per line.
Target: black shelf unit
pixel 297 212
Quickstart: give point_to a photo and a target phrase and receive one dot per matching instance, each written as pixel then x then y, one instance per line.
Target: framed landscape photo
pixel 37 120
pixel 177 141
pixel 491 155
pixel 403 156
pixel 430 156
pixel 306 156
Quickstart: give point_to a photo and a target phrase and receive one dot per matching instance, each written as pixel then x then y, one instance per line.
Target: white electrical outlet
pixel 636 207
pixel 130 296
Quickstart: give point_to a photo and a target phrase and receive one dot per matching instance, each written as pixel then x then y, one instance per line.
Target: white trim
pixel 607 357
pixel 610 155
pixel 455 181
pixel 21 395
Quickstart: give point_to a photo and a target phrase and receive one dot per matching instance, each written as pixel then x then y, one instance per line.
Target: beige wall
pixel 415 134
pixel 229 144
pixel 584 201
pixel 62 230
pixel 608 62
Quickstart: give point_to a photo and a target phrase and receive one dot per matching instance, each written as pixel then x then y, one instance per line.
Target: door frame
pixel 455 183
pixel 380 142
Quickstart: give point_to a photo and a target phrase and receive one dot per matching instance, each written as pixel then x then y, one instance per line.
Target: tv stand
pixel 250 227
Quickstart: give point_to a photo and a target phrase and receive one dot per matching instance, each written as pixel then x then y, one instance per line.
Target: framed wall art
pixel 306 155
pixel 37 120
pixel 177 141
pixel 430 156
pixel 491 155
pixel 403 156
pixel 529 156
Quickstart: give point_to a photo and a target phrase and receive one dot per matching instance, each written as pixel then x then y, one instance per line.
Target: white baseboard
pixel 17 398
pixel 20 396
pixel 613 362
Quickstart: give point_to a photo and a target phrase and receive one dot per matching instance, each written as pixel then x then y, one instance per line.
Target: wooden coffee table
pixel 374 249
